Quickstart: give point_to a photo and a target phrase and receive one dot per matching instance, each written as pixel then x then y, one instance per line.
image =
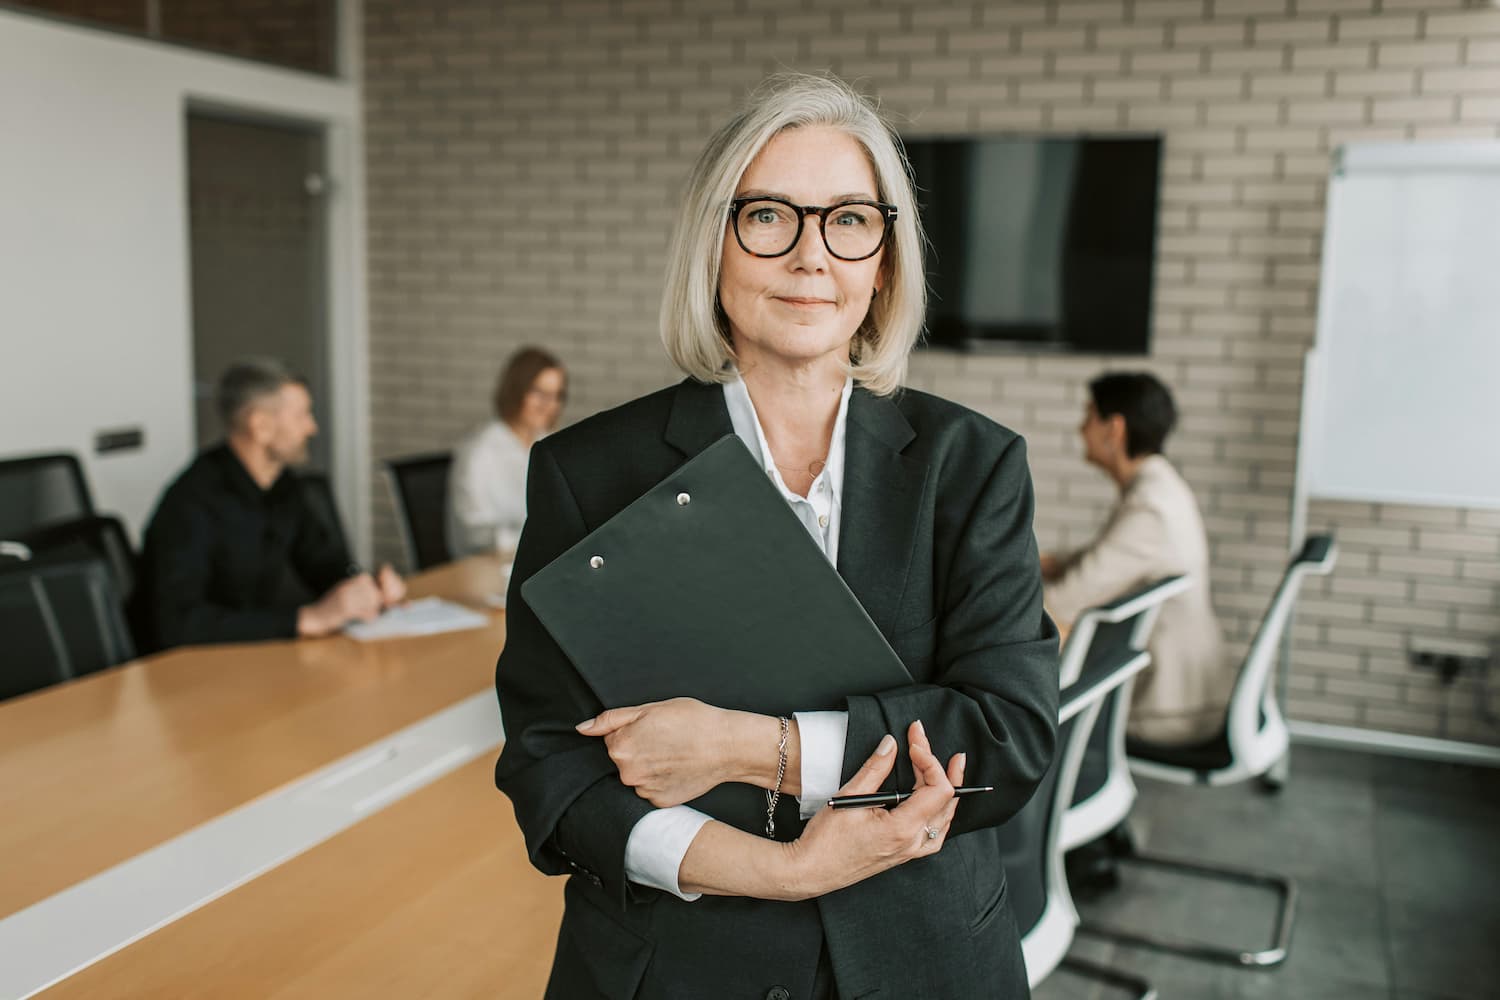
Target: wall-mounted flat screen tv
pixel 1042 243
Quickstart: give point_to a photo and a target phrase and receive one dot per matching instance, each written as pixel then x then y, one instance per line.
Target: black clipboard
pixel 709 587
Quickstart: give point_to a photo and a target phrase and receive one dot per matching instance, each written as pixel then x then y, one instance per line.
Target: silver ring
pixel 932 834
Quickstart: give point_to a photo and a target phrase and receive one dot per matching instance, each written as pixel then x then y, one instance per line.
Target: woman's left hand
pixel 670 752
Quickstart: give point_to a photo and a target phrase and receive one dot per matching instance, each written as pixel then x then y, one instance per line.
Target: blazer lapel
pixel 882 495
pixel 699 417
pixel 881 502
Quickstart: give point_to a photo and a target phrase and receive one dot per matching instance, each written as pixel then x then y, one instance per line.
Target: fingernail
pixel 586 724
pixel 886 745
pixel 921 728
pixel 963 760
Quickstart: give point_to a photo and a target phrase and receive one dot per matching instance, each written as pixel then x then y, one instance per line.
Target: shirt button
pixel 778 993
pixel 823 521
pixel 822 485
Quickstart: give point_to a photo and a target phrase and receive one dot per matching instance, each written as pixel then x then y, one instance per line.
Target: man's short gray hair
pixel 247 382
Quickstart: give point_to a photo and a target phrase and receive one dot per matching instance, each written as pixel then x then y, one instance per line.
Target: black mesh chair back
pixel 1024 843
pixel 1112 644
pixel 39 490
pixel 419 484
pixel 60 620
pixel 100 536
pixel 1030 841
pixel 1103 637
pixel 318 495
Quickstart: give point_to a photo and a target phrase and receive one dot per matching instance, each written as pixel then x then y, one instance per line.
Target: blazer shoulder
pixel 1160 487
pixel 608 430
pixel 948 426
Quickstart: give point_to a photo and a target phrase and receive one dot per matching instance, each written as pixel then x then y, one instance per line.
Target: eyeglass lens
pixel 770 228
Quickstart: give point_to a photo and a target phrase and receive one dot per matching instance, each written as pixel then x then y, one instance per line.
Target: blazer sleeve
pixel 1133 548
pixel 575 813
pixel 993 692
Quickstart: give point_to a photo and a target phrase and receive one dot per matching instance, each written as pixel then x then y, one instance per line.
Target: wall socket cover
pixel 1440 646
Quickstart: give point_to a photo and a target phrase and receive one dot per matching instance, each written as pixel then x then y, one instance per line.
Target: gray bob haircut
pixel 247 382
pixel 694 329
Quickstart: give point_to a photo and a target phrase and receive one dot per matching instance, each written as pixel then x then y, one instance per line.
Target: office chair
pixel 101 536
pixel 41 489
pixel 1031 840
pixel 317 493
pixel 60 620
pixel 1104 794
pixel 419 486
pixel 1253 741
pixel 14 550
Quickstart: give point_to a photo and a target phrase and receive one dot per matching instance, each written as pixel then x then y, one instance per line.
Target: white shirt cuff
pixel 823 735
pixel 657 844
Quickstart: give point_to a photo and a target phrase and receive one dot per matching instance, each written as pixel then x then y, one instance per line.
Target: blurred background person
pixel 1154 531
pixel 234 552
pixel 487 482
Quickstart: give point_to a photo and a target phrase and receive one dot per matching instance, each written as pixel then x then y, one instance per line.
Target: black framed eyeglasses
pixel 770 227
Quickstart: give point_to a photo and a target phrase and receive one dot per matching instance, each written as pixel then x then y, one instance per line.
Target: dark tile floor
pixel 1397 863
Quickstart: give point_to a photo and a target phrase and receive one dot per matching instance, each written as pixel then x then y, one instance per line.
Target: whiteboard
pixel 1403 404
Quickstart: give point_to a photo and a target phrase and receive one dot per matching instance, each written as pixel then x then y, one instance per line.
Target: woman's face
pixel 1103 438
pixel 543 402
pixel 806 304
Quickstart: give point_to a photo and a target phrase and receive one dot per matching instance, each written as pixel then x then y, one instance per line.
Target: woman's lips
pixel 803 303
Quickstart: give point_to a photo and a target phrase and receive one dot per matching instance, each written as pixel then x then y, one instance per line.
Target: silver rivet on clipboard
pixel 595 562
pixel 683 499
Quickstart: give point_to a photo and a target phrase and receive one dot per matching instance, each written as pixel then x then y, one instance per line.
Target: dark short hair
pixel 1145 404
pixel 516 378
pixel 247 382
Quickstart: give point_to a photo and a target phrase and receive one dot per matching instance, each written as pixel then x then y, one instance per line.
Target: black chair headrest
pixel 1315 549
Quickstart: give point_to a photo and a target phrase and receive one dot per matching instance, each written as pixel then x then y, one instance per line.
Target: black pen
pixel 895 798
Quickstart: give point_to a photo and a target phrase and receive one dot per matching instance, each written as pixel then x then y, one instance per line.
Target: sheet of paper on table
pixel 427 616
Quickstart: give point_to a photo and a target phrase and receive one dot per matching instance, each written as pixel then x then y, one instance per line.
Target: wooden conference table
pixel 431 895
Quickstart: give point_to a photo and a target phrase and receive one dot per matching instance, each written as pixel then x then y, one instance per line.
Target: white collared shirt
pixel 487 491
pixel 819 510
pixel 659 840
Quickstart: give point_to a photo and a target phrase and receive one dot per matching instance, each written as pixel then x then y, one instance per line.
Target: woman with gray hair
pixel 794 294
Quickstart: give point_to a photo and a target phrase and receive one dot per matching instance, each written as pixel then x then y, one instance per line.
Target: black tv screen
pixel 1039 243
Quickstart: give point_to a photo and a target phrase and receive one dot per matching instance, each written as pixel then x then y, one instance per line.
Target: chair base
pixel 1281 933
pixel 1141 989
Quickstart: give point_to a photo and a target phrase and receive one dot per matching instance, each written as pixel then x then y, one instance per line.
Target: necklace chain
pixel 814 468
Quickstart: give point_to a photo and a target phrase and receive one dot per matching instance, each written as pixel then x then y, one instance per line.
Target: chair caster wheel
pixel 1121 841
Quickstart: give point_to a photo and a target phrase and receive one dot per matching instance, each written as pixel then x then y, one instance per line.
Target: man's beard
pixel 294 458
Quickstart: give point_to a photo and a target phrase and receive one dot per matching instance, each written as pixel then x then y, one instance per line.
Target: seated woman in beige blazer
pixel 1153 531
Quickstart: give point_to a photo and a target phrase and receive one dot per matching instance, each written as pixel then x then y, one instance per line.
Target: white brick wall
pixel 524 158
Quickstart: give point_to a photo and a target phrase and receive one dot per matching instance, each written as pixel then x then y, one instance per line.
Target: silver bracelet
pixel 774 795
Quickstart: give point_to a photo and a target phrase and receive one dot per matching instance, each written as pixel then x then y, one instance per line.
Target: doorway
pixel 258 237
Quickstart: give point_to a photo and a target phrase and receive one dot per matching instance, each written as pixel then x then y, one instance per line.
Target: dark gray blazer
pixel 936 542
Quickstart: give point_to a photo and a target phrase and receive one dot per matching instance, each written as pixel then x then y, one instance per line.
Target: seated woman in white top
pixel 487 482
pixel 1154 531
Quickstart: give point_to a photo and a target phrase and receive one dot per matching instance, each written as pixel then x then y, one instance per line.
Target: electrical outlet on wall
pixel 1449 657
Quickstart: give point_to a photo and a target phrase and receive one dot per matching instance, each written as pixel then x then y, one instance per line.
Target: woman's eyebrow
pixel 836 199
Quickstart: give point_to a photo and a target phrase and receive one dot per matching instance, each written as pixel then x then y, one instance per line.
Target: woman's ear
pixel 1117 431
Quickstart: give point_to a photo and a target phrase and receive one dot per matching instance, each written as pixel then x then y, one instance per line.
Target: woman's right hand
pixel 842 846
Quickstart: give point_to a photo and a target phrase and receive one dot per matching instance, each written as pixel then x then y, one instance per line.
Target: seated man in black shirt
pixel 233 552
